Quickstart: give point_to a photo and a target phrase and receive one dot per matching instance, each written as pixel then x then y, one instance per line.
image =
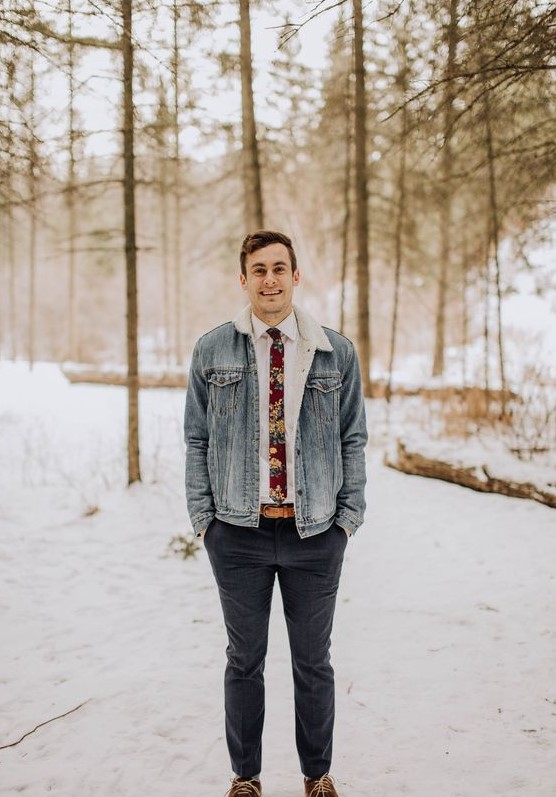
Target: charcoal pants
pixel 245 562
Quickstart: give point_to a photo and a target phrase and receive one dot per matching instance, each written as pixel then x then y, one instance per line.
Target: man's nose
pixel 269 279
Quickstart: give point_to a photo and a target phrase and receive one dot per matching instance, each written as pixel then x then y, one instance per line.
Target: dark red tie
pixel 278 487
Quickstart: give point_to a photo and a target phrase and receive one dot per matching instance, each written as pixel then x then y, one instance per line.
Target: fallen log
pixel 476 477
pixel 91 377
pixel 469 394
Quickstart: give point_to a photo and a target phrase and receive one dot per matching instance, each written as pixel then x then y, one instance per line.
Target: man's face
pixel 269 282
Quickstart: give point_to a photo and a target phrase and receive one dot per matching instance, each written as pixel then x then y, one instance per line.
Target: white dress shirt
pixel 263 342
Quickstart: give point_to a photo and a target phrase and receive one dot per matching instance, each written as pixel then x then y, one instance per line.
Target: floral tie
pixel 276 425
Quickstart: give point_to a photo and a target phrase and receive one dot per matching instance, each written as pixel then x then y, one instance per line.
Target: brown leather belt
pixel 274 511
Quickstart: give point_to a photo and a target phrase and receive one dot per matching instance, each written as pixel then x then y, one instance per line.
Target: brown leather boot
pixel 320 787
pixel 243 787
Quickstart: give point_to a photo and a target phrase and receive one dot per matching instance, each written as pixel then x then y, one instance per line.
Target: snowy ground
pixel 444 643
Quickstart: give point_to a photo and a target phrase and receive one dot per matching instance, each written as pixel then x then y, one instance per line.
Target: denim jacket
pixel 222 429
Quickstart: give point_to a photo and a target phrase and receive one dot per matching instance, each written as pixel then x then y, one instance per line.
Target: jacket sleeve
pixel 200 501
pixel 350 501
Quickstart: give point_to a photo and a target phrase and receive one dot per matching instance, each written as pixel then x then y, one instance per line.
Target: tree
pixel 347 187
pixel 445 194
pixel 361 201
pixel 178 298
pixel 401 201
pixel 252 186
pixel 134 471
pixel 72 345
pixel 32 208
pixel 161 130
pixel 8 169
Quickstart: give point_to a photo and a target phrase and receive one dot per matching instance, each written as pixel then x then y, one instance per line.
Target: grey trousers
pixel 245 562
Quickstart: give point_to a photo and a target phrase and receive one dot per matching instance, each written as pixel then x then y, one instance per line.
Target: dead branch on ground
pixel 476 477
pixel 40 725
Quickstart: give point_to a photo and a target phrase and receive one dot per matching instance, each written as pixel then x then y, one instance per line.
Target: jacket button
pixel 300 492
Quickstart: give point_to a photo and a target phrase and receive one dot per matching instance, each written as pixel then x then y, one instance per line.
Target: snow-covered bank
pixel 444 642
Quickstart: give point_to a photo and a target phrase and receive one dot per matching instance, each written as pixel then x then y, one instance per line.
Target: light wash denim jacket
pixel 222 429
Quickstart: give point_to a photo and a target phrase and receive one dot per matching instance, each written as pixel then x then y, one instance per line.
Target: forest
pixel 407 147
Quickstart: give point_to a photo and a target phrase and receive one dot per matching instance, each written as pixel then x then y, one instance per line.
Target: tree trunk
pixel 163 181
pixel 72 215
pixel 446 194
pixel 178 302
pixel 493 237
pixel 464 308
pixel 252 190
pixel 32 187
pixel 495 232
pixel 399 247
pixel 486 322
pixel 361 201
pixel 11 318
pixel 346 221
pixel 134 472
pixel 12 293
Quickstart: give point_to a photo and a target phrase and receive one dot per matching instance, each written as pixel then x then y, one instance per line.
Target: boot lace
pixel 322 787
pixel 245 788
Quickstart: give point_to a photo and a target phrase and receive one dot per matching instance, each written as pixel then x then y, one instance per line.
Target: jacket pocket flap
pixel 324 382
pixel 223 378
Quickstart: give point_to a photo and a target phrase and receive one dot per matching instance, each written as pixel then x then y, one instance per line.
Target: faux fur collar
pixel 309 329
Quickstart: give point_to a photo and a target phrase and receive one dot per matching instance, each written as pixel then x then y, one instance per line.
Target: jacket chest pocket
pixel 325 392
pixel 223 390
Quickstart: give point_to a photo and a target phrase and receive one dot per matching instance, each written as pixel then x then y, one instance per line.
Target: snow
pixel 444 643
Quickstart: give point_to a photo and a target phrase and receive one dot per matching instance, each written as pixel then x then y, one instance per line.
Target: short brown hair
pixel 260 239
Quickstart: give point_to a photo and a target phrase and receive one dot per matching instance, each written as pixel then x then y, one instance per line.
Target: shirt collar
pixel 287 327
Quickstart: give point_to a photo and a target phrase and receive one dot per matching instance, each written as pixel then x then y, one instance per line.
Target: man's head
pixel 262 238
pixel 269 274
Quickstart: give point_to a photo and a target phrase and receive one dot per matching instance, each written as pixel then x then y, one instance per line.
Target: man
pixel 275 477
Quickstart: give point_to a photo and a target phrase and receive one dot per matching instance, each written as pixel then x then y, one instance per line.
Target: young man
pixel 275 476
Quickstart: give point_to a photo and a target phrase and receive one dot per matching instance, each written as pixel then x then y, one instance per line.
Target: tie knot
pixel 274 333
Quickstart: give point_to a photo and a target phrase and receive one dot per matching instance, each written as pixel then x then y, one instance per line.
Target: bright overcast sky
pixel 99 97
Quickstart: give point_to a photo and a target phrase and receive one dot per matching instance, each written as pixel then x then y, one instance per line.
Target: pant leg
pixel 242 563
pixel 309 573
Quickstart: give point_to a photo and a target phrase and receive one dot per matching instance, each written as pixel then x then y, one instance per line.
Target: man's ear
pixel 242 281
pixel 296 277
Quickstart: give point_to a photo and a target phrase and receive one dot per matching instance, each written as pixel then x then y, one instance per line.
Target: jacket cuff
pixel 201 522
pixel 348 521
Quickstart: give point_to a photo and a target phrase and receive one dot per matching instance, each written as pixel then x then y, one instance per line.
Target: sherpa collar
pixel 309 329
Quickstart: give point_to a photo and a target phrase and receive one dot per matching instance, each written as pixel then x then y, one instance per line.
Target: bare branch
pixel 294 28
pixel 85 41
pixel 41 724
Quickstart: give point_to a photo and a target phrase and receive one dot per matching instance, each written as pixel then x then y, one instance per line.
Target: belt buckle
pixel 274 511
pixel 267 509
